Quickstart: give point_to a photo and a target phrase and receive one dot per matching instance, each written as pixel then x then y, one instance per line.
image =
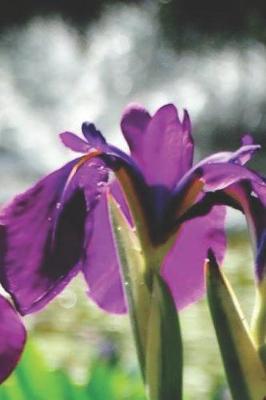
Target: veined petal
pixel 162 145
pixel 43 233
pixel 12 338
pixel 183 267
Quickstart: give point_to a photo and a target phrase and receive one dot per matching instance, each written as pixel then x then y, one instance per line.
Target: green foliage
pixel 164 355
pixel 33 380
pixel 243 367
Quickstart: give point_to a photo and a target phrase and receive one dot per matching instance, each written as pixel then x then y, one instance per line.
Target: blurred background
pixel 63 62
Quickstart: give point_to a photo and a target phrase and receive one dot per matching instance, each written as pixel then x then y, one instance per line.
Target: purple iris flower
pixel 61 225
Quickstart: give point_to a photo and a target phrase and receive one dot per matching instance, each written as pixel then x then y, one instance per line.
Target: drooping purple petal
pixel 162 145
pixel 183 267
pixel 218 176
pixel 12 338
pixel 214 173
pixel 101 264
pixel 241 156
pixel 248 196
pixel 43 233
pixel 251 198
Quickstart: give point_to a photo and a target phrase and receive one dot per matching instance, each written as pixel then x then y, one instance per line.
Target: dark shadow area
pixel 78 12
pixel 184 20
pixel 181 20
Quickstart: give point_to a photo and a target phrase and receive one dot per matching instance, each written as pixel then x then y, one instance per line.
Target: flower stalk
pixel 258 322
pixel 152 312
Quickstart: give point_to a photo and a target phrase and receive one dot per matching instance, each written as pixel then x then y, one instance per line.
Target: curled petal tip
pixel 132 107
pixel 92 134
pixel 186 123
pixel 134 119
pixel 247 139
pixel 88 127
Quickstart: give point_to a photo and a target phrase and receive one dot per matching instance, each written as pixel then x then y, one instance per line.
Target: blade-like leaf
pixel 243 367
pixel 164 356
pixel 133 270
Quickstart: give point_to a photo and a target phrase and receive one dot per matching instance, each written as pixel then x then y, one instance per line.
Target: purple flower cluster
pixel 61 226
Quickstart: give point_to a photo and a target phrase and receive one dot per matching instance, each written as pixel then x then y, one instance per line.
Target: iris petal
pixel 74 142
pixel 213 173
pixel 101 264
pixel 12 338
pixel 162 146
pixel 183 267
pixel 43 234
pixel 251 198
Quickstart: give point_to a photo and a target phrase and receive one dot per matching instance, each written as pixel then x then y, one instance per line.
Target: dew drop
pixel 58 205
pixel 254 194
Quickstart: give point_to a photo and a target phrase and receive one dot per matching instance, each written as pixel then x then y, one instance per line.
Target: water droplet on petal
pixel 254 194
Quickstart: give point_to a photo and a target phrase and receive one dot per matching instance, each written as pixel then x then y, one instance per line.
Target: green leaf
pixel 243 367
pixel 164 356
pixel 258 323
pixel 133 267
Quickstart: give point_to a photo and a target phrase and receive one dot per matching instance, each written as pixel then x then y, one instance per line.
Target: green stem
pixel 258 323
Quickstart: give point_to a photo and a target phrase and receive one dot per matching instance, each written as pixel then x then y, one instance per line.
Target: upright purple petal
pixel 12 338
pixel 134 122
pixel 74 142
pixel 93 136
pixel 43 233
pixel 101 264
pixel 162 145
pixel 183 267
